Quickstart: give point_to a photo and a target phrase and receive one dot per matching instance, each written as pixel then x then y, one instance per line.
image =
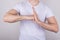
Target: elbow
pixel 56 30
pixel 6 19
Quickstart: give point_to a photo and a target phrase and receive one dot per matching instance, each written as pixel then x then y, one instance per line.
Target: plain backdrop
pixel 10 31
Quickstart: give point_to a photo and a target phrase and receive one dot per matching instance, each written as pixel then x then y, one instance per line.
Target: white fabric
pixel 30 30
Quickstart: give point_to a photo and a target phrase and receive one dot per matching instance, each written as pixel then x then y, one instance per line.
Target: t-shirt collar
pixel 34 6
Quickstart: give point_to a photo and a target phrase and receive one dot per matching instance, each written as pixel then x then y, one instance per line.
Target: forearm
pixel 25 17
pixel 50 27
pixel 15 18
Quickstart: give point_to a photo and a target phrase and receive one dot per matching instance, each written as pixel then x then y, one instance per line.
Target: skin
pixel 13 16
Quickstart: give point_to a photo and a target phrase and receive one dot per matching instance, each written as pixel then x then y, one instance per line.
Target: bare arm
pixel 51 25
pixel 13 16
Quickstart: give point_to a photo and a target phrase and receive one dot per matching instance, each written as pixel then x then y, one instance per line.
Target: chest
pixel 27 10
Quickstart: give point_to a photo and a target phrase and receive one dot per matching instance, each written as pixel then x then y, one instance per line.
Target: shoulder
pixel 20 4
pixel 47 8
pixel 48 12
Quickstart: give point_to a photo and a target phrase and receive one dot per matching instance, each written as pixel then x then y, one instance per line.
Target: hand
pixel 35 15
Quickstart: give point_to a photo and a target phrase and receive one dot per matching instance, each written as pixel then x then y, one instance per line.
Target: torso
pixel 30 30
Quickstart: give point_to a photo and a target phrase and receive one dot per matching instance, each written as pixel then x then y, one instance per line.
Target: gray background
pixel 10 31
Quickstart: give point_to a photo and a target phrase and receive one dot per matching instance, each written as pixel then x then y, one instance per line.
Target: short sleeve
pixel 49 13
pixel 16 7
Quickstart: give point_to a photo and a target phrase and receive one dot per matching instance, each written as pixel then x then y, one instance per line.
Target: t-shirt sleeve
pixel 16 7
pixel 49 13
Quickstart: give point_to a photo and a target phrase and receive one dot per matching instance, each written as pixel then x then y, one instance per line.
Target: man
pixel 33 15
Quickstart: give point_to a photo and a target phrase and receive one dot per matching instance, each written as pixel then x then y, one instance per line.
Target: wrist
pixel 38 21
pixel 20 18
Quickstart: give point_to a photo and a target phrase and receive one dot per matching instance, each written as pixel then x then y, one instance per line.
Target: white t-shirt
pixel 30 30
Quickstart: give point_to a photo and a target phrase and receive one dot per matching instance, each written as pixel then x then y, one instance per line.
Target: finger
pixel 33 9
pixel 34 12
